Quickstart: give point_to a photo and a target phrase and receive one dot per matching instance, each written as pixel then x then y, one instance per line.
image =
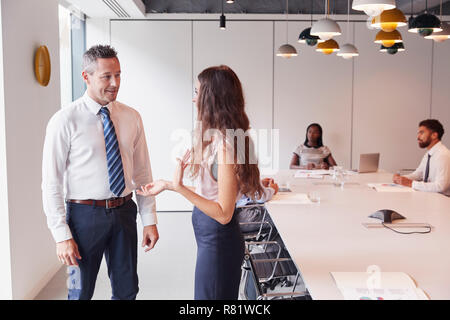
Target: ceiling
pixel 279 6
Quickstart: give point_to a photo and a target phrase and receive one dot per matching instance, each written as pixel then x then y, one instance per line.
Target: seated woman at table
pixel 312 154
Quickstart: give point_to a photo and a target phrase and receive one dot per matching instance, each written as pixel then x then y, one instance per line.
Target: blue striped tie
pixel 115 168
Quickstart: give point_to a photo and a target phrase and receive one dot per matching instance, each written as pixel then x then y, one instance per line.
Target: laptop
pixel 368 162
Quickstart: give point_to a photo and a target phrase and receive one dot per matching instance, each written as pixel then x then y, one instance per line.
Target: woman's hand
pixel 154 188
pixel 324 165
pixel 177 183
pixel 310 166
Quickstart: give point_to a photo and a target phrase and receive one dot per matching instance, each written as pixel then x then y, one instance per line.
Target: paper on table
pixel 291 198
pixel 310 173
pixel 389 187
pixel 377 286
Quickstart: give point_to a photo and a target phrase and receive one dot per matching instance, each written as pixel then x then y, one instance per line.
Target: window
pixel 72 37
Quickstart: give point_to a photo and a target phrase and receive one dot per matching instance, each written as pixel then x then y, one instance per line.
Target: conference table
pixel 330 236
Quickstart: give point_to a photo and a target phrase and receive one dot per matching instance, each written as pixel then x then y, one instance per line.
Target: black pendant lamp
pixel 223 19
pixel 424 24
pixel 398 47
pixel 306 37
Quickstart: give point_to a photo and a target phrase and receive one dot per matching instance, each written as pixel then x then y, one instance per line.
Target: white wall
pixel 391 96
pixel 440 106
pixel 155 60
pixel 311 88
pixel 26 25
pixel 5 254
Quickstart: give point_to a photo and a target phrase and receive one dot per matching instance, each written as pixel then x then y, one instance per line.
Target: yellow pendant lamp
pixel 389 20
pixel 388 39
pixel 328 47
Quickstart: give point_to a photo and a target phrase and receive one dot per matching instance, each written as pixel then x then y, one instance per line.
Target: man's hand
pixel 67 252
pixel 398 179
pixel 150 237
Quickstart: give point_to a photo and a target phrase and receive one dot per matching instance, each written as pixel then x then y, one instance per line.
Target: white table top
pixel 329 237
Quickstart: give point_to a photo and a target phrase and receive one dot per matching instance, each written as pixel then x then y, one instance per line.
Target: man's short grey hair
pixel 97 52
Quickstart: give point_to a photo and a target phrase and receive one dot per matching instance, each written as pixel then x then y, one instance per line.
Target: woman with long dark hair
pixel 222 177
pixel 312 154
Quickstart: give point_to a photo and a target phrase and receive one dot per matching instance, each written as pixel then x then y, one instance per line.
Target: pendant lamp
pixel 223 19
pixel 425 24
pixel 389 20
pixel 348 50
pixel 328 47
pixel 373 7
pixel 388 39
pixel 306 37
pixel 441 36
pixel 326 28
pixel 444 34
pixel 286 50
pixel 398 47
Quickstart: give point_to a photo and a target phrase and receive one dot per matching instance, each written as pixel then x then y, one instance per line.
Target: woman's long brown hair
pixel 221 106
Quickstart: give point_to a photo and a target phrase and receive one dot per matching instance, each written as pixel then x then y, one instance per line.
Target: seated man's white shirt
pixel 439 171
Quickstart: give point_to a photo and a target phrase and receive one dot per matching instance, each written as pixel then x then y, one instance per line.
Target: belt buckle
pixel 115 203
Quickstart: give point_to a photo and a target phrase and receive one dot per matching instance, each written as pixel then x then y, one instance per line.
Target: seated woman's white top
pixel 311 155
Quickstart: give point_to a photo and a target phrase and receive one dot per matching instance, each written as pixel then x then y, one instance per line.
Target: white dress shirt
pixel 439 172
pixel 74 160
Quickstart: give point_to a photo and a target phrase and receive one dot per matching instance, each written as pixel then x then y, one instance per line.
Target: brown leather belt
pixel 108 203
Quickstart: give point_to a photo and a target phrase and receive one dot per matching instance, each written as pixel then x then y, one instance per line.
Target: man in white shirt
pixel 95 155
pixel 433 173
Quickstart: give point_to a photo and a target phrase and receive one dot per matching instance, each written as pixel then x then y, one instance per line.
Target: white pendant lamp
pixel 348 50
pixel 286 50
pixel 373 7
pixel 326 28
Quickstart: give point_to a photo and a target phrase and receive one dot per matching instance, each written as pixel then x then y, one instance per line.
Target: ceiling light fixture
pixel 306 37
pixel 388 39
pixel 373 7
pixel 223 19
pixel 398 47
pixel 425 24
pixel 348 50
pixel 389 20
pixel 328 47
pixel 286 50
pixel 444 34
pixel 326 28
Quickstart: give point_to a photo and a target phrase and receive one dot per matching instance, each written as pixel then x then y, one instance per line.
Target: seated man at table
pixel 433 173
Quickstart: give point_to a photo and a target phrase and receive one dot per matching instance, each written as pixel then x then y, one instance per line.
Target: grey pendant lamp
pixel 348 50
pixel 286 50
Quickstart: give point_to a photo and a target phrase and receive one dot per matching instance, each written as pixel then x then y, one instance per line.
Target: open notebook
pixel 377 286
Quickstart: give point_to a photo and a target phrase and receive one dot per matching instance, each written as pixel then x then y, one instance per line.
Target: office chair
pixel 255 222
pixel 267 270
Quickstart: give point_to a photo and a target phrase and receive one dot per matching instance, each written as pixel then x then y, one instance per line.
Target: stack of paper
pixel 291 198
pixel 377 286
pixel 314 174
pixel 389 187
